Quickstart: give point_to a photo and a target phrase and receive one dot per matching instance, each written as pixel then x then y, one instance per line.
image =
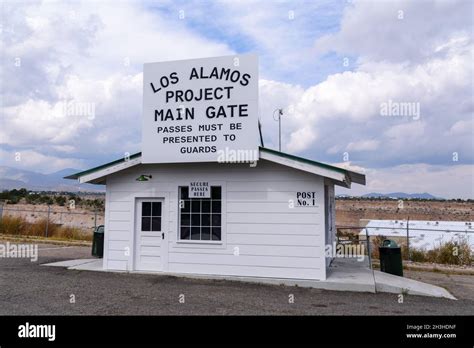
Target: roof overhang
pixel 340 176
pixel 98 174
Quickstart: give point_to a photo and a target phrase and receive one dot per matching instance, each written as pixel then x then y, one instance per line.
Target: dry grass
pixel 18 226
pixel 452 253
pixel 448 253
pixel 375 243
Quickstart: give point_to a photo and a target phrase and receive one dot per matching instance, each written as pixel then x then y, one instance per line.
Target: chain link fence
pixel 417 244
pixel 48 217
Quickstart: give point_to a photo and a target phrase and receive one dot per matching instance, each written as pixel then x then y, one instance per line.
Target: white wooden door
pixel 149 234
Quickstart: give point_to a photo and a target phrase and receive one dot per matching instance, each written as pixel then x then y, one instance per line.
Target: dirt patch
pixel 349 212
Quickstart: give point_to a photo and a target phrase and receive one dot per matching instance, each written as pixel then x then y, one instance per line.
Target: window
pixel 200 218
pixel 151 216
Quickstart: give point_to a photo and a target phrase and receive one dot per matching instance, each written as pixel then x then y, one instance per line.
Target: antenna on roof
pixel 260 131
pixel 280 114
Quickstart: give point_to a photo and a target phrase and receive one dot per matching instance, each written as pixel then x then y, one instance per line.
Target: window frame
pixel 193 242
pixel 151 216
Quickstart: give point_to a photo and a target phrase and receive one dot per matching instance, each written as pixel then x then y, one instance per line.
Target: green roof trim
pixel 304 160
pixel 103 166
pixel 354 176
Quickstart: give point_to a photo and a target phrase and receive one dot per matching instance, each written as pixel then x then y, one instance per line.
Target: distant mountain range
pixel 14 178
pixel 402 195
pixel 399 195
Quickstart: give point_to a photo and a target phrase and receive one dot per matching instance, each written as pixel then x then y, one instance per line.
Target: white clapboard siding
pixel 270 238
pixel 269 207
pixel 272 218
pixel 119 245
pixel 256 250
pixel 133 186
pixel 120 225
pixel 147 240
pixel 150 263
pixel 120 215
pixel 273 229
pixel 119 206
pixel 119 235
pixel 275 186
pixel 246 271
pixel 117 254
pixel 150 250
pixel 255 239
pixel 246 260
pixel 263 196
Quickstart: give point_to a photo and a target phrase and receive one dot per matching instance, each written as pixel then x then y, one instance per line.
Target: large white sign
pixel 201 110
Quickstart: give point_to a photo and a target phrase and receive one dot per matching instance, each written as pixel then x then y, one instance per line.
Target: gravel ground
pixel 26 288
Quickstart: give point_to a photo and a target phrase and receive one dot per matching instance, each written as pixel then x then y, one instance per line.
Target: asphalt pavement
pixel 26 288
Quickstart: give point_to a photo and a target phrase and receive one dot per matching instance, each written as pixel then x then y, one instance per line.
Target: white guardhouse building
pixel 272 219
pixel 176 207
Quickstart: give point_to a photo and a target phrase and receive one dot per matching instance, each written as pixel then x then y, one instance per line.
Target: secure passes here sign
pixel 201 110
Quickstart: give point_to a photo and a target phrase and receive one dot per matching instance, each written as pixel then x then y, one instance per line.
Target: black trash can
pixel 98 242
pixel 391 258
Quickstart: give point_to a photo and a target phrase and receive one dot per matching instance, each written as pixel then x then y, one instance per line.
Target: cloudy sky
pixel 333 66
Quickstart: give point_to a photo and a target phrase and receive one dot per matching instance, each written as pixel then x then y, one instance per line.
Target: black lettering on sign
pixel 155 90
pixel 305 199
pixel 232 110
pixel 165 81
pixel 178 114
pixel 225 74
pixel 237 126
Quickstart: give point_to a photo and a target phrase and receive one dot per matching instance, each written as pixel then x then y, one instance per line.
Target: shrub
pixel 12 225
pixel 72 233
pixel 453 252
pixel 418 255
pixel 38 228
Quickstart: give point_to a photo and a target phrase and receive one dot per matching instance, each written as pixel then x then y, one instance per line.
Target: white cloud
pixel 398 31
pixel 407 131
pixel 463 127
pixel 363 145
pixel 84 54
pixel 38 162
pixel 346 107
pixel 301 139
pixel 349 105
pixel 351 166
pixel 274 95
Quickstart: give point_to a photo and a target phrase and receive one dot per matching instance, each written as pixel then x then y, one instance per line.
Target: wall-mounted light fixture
pixel 143 178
